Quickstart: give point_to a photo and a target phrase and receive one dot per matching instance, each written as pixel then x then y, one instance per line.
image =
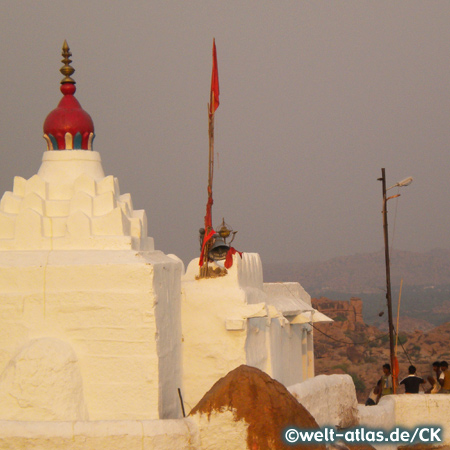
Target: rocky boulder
pixel 247 409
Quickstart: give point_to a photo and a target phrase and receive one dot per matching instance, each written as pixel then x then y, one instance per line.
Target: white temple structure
pixel 237 319
pixel 90 323
pixel 95 324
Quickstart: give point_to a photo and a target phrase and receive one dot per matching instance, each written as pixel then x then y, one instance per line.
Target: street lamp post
pixel 404 182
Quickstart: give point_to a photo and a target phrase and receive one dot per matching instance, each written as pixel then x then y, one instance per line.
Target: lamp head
pixel 405 182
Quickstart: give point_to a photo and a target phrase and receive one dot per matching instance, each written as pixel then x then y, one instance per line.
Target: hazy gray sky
pixel 316 97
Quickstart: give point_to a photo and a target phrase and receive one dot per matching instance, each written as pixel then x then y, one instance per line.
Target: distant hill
pixel 426 282
pixel 365 272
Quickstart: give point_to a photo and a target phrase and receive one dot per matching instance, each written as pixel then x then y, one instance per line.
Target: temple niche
pixel 97 325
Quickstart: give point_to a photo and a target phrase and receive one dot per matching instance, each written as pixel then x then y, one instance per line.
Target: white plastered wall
pixel 289 349
pixel 79 278
pixel 214 315
pixel 118 310
pixel 291 334
pixel 237 319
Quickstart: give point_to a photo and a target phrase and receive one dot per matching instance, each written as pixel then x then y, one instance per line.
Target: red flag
pixel 214 95
pixel 229 258
pixel 206 238
pixel 395 372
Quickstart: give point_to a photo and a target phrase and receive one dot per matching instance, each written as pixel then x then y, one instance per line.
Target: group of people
pixel 439 380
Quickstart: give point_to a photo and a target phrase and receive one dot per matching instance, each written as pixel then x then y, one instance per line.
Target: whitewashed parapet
pixel 409 412
pixel 331 399
pixel 130 435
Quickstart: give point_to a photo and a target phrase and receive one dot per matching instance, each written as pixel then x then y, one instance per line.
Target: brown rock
pixel 349 346
pixel 354 355
pixel 264 403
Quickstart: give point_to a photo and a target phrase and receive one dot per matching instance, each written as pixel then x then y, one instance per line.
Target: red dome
pixel 68 126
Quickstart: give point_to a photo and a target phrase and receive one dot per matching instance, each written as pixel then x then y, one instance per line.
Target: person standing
pixel 433 378
pixel 444 378
pixel 386 381
pixel 412 382
pixel 374 395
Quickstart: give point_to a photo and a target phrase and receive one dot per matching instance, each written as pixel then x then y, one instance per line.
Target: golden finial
pixel 66 70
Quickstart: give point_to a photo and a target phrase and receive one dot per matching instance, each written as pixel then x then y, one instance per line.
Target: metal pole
pixel 181 401
pixel 388 277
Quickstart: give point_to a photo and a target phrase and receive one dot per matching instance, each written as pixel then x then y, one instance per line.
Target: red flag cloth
pixel 395 372
pixel 214 95
pixel 395 369
pixel 205 240
pixel 229 257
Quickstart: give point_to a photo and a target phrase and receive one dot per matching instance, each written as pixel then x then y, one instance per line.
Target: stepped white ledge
pixel 65 166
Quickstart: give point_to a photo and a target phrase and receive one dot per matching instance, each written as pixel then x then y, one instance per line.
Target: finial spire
pixel 67 70
pixel 69 126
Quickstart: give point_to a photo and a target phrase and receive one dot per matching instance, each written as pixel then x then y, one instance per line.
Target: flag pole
pixel 212 106
pixel 208 217
pixel 398 314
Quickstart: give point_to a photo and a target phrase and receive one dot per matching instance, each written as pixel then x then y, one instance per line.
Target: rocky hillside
pixel 349 345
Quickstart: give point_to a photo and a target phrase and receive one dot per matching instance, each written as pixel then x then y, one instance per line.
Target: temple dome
pixel 68 126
